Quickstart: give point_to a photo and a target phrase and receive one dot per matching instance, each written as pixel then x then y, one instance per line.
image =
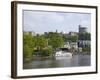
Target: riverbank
pixel 50 57
pixel 83 53
pixel 37 58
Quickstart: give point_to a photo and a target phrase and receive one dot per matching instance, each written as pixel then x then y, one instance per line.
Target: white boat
pixel 63 54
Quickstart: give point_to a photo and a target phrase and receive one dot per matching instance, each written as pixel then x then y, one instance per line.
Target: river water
pixel 76 61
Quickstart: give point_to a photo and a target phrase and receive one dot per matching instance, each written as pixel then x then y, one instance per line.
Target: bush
pixel 86 49
pixel 27 53
pixel 44 52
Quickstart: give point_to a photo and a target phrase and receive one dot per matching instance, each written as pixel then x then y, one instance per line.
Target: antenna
pixel 80 23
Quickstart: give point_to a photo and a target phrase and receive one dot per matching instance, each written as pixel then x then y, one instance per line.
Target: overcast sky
pixel 43 21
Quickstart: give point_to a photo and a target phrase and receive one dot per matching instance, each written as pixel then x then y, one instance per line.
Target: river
pixel 76 61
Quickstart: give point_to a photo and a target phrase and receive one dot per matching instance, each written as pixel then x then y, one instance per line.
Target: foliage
pixel 55 40
pixel 86 49
pixel 28 44
pixel 44 45
pixel 29 40
pixel 44 52
pixel 84 36
pixel 41 42
pixel 71 38
pixel 27 51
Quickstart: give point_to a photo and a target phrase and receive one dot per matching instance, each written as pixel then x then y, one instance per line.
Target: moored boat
pixel 63 54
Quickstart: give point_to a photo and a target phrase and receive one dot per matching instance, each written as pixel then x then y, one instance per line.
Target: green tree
pixel 27 51
pixel 71 38
pixel 28 45
pixel 56 40
pixel 41 42
pixel 46 52
pixel 42 46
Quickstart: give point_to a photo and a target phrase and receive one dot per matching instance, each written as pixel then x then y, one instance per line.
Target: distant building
pixel 84 43
pixel 82 29
pixel 30 32
pixel 67 45
pixel 74 46
pixel 71 45
pixel 73 33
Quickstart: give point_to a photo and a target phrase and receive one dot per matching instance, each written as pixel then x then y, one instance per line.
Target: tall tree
pixel 28 45
pixel 56 40
pixel 41 42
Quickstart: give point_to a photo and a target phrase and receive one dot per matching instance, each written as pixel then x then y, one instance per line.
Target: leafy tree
pixel 27 51
pixel 42 46
pixel 41 42
pixel 28 45
pixel 29 40
pixel 46 52
pixel 56 40
pixel 71 38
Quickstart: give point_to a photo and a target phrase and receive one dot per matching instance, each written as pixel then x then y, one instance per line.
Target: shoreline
pixel 49 57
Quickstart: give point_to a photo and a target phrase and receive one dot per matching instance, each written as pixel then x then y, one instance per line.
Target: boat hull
pixel 63 54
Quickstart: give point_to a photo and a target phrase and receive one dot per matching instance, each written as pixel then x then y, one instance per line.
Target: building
pixel 83 38
pixel 73 33
pixel 84 43
pixel 30 33
pixel 67 45
pixel 71 46
pixel 82 29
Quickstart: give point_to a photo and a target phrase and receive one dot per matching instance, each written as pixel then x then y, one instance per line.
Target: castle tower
pixel 82 29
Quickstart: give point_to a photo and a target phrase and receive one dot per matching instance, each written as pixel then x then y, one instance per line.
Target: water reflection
pixel 76 60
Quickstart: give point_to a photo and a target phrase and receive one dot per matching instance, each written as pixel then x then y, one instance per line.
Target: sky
pixel 47 21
